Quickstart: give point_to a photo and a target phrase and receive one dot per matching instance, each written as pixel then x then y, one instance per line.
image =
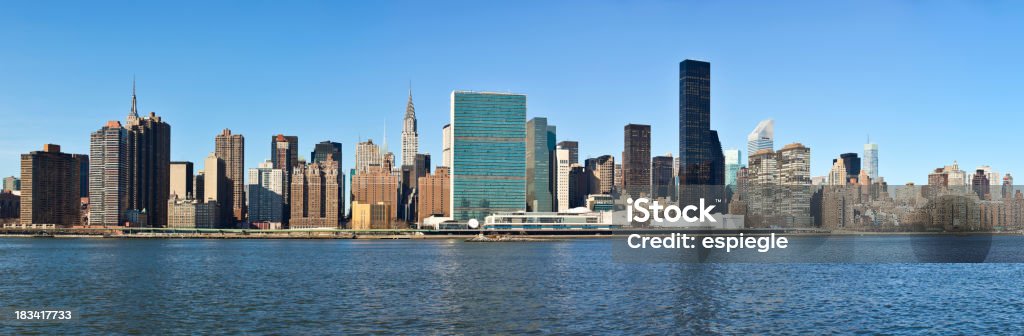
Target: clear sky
pixel 930 81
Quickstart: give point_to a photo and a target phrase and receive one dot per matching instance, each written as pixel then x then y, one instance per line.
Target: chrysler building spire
pixel 135 110
pixel 410 139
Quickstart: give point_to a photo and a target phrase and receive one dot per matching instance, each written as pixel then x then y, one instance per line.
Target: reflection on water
pixel 449 286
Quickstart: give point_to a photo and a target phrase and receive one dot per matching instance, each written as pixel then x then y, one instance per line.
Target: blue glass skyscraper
pixel 701 162
pixel 488 172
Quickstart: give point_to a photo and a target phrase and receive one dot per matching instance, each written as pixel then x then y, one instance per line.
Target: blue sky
pixel 930 81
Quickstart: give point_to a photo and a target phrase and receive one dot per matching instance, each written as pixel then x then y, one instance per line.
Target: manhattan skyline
pixel 340 76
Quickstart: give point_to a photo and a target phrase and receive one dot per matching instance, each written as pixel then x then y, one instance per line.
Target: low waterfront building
pixel 570 220
pixel 376 216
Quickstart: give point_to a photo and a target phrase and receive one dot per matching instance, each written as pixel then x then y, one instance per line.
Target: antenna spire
pixel 135 111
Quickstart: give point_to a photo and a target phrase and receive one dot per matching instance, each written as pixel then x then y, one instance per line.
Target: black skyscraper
pixel 852 163
pixel 701 162
pixel 325 148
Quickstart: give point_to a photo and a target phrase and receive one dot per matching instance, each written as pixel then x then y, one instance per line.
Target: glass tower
pixel 701 163
pixel 488 154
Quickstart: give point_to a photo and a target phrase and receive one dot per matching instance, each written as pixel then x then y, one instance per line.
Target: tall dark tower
pixel 701 162
pixel 149 164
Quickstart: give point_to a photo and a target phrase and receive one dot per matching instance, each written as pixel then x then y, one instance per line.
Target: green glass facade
pixel 538 164
pixel 488 172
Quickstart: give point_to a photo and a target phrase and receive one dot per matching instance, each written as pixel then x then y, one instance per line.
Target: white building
pixel 266 193
pixel 871 161
pixel 446 145
pixel 562 179
pixel 410 139
pixel 763 137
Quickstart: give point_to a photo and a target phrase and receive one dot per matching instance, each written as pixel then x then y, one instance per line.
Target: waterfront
pixel 166 286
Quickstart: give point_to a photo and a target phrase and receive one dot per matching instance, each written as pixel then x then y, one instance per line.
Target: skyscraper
pixel 231 149
pixel 434 194
pixel 700 151
pixel 284 155
pixel 563 168
pixel 762 137
pixel 367 154
pixel 217 189
pixel 733 163
pixel 574 150
pixel 488 154
pixel 446 145
pixel 266 193
pixel 181 180
pixel 12 183
pixel 662 180
pixel 50 187
pixel 410 139
pixel 538 174
pixel 108 176
pixel 317 196
pixel 852 164
pixel 871 160
pixel 601 175
pixel 324 149
pixel 636 160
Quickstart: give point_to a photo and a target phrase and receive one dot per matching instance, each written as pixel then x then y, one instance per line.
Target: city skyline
pixel 903 114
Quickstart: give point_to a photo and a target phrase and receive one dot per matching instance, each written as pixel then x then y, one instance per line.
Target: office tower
pixel 434 192
pixel 837 176
pixel 12 183
pixel 579 185
pixel 601 171
pixel 377 185
pixel 662 180
pixel 409 180
pixel 574 150
pixel 552 165
pixel 636 160
pixel 109 175
pixel 317 196
pixel 446 145
pixel 50 187
pixel 701 162
pixel 617 181
pixel 284 154
pixel 367 154
pixel 410 139
pixel 324 149
pixel 955 176
pixel 538 174
pixel 563 168
pixel 733 163
pixel 762 137
pixel 198 186
pixel 216 188
pixel 191 213
pixel 488 154
pixel 871 160
pixel 852 164
pixel 1007 188
pixel 993 175
pixel 266 193
pixel 181 180
pixel 980 184
pixel 231 149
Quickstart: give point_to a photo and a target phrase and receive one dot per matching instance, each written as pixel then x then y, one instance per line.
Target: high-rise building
pixel 980 184
pixel 284 155
pixel 216 188
pixel 12 183
pixel 149 159
pixel 852 163
pixel 574 150
pixel 434 192
pixel 109 175
pixel 838 175
pixel 231 149
pixel 601 171
pixel 579 185
pixel 662 180
pixel 538 165
pixel 50 187
pixel 410 138
pixel 367 154
pixel 636 160
pixel 266 193
pixel 563 168
pixel 375 185
pixel 181 180
pixel 488 154
pixel 446 145
pixel 871 160
pixel 317 200
pixel 794 165
pixel 702 164
pixel 10 204
pixel 324 149
pixel 762 137
pixel 733 163
pixel 198 186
